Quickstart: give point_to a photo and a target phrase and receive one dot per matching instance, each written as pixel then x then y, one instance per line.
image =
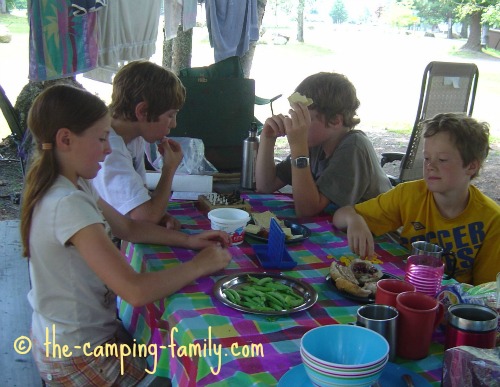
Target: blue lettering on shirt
pixel 463 240
pixel 476 232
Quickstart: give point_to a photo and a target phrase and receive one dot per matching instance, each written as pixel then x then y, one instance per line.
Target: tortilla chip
pixel 252 228
pixel 263 219
pixel 297 97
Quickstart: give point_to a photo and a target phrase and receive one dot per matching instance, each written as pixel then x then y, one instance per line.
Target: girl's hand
pixel 171 152
pixel 209 238
pixel 212 259
pixel 170 222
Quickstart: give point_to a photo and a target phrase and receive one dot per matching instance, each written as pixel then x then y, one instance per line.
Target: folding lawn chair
pixel 447 87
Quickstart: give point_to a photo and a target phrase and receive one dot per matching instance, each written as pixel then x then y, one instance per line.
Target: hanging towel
pixel 128 30
pixel 82 7
pixel 232 25
pixel 60 44
pixel 173 17
pixel 179 12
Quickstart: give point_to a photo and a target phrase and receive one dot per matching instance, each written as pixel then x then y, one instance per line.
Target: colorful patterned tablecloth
pixel 229 347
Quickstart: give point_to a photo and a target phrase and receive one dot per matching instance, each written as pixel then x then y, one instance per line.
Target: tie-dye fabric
pixel 61 44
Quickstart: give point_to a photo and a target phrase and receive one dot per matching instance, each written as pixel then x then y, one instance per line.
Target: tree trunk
pixel 3 6
pixel 177 52
pixel 247 59
pixel 450 28
pixel 474 40
pixel 168 46
pixel 300 22
pixel 464 31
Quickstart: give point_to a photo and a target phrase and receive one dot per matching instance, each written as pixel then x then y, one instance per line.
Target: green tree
pixel 401 14
pixel 435 11
pixel 478 12
pixel 338 12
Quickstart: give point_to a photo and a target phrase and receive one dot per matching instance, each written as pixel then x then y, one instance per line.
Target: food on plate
pixel 262 224
pixel 297 97
pixel 351 288
pixel 365 272
pixel 264 294
pixel 359 278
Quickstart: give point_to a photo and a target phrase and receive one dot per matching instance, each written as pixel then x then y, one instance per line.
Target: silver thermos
pixel 250 149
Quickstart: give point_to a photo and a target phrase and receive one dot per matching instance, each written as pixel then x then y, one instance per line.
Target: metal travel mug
pixel 381 319
pixel 472 325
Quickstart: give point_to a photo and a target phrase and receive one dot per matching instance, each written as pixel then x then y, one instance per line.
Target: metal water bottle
pixel 250 148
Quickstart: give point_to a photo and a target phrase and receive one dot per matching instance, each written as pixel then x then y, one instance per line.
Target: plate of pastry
pixel 358 281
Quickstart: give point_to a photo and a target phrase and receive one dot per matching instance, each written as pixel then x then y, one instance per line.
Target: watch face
pixel 302 162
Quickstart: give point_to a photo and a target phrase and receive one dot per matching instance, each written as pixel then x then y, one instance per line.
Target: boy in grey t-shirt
pixel 329 162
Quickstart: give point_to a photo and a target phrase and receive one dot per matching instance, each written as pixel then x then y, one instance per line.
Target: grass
pixel 492 52
pixel 15 24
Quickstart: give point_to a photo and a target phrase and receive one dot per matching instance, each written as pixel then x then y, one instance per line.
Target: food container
pixel 230 220
pixel 471 325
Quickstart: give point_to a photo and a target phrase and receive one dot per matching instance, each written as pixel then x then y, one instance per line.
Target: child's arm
pixel 359 235
pixel 308 200
pixel 265 171
pixel 145 232
pixel 142 288
pixel 154 209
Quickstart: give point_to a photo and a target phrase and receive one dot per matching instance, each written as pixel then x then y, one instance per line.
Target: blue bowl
pixel 344 347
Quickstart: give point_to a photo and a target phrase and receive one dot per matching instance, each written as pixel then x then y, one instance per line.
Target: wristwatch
pixel 300 162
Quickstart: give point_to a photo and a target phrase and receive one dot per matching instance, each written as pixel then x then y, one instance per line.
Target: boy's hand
pixel 274 127
pixel 297 125
pixel 171 152
pixel 360 237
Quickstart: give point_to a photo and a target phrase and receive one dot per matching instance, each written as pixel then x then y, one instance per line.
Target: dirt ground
pixel 11 178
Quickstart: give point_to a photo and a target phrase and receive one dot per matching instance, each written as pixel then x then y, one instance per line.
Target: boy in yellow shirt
pixel 444 208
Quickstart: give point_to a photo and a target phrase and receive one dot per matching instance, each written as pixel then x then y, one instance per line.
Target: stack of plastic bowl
pixel 425 273
pixel 343 355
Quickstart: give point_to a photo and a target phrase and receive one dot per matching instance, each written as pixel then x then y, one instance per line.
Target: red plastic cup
pixel 388 289
pixel 419 315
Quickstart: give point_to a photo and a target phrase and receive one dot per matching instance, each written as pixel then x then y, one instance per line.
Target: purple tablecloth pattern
pixel 265 347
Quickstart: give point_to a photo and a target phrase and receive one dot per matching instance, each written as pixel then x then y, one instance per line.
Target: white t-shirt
pixel 122 178
pixel 66 293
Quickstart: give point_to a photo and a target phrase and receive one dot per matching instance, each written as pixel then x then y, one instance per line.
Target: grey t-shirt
pixel 352 174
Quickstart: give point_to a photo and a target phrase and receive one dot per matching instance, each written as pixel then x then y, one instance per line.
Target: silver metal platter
pixel 235 281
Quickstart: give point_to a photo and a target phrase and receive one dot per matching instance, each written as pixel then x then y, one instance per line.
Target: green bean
pixel 229 296
pixel 277 301
pixel 234 293
pixel 264 294
pixel 264 280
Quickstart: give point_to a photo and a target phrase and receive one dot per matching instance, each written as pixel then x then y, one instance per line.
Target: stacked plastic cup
pixel 425 272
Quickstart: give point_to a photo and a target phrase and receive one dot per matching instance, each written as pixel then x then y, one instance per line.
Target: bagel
pixel 359 278
pixel 351 288
pixel 365 271
pixel 340 271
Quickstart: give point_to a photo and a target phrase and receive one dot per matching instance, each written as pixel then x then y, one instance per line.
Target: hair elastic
pixel 47 146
